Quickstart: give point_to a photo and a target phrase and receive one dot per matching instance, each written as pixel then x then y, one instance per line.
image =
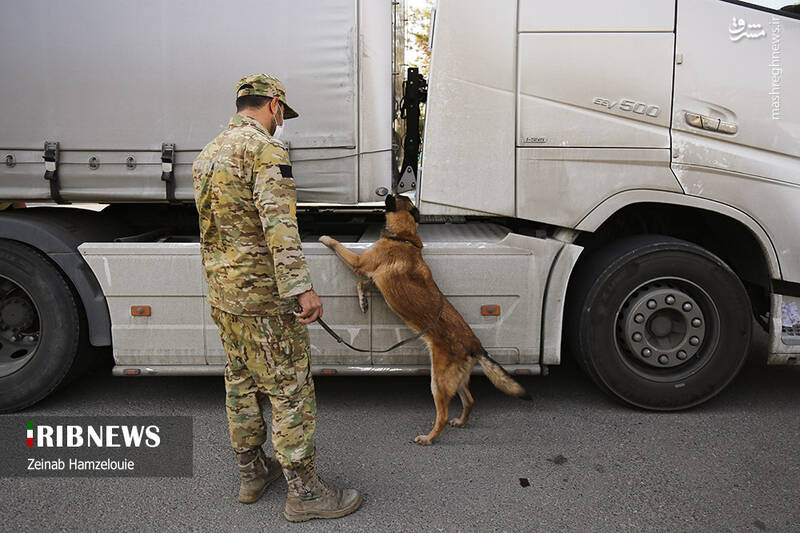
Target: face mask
pixel 278 127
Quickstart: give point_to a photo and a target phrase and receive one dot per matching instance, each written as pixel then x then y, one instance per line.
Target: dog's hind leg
pixel 442 400
pixel 363 299
pixel 466 402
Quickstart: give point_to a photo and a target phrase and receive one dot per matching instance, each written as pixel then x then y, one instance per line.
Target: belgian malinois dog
pixel 395 265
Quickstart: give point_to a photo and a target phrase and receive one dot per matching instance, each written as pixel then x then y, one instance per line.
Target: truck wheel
pixel 661 323
pixel 40 327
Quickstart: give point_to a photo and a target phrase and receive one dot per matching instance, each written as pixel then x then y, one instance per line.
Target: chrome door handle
pixel 710 124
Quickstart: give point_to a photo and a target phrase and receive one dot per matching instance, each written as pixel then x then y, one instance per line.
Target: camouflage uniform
pixel 255 268
pixel 268 356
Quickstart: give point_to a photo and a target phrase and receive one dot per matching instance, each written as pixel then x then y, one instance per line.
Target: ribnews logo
pixel 102 436
pixel 83 446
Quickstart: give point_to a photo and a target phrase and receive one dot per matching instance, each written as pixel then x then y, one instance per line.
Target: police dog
pixel 395 265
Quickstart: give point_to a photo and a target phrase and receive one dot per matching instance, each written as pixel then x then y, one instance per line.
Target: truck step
pixel 316 369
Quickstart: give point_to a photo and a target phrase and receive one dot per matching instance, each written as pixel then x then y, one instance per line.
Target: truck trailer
pixel 617 181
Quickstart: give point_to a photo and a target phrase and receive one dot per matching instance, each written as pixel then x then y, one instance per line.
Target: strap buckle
pixel 51 153
pixel 168 171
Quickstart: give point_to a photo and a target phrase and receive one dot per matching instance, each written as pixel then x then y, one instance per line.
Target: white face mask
pixel 278 127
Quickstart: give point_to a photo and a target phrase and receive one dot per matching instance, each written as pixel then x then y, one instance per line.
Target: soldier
pixel 257 277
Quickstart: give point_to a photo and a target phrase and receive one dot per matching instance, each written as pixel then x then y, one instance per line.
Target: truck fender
pixel 614 203
pixel 555 299
pixel 57 232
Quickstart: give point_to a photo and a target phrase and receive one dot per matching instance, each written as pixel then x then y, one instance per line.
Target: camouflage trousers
pixel 268 357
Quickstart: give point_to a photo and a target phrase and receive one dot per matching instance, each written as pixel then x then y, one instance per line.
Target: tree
pixel 419 25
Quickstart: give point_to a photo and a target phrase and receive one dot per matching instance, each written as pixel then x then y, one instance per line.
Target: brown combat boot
pixel 256 471
pixel 311 497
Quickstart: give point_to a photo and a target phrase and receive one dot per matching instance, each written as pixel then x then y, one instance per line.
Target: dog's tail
pixel 500 378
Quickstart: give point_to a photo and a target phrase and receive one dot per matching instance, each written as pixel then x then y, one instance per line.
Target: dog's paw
pixel 330 242
pixel 363 303
pixel 423 440
pixel 457 423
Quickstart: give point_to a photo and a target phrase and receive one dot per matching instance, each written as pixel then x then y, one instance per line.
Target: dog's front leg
pixel 352 259
pixel 363 287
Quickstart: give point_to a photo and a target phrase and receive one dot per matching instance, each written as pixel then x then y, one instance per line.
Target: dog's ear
pixel 391 203
pixel 415 214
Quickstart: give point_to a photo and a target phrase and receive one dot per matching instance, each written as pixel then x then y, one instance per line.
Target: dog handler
pixel 257 275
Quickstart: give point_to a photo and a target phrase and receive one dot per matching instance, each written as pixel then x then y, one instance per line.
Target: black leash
pixel 399 344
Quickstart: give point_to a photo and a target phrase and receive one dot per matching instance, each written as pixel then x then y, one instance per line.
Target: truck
pixel 617 182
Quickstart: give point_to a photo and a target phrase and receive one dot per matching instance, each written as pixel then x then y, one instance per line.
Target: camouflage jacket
pixel 246 200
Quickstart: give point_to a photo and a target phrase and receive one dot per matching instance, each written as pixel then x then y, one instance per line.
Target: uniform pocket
pixel 273 361
pixel 229 326
pixel 297 341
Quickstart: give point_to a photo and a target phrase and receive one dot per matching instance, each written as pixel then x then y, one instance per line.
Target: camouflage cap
pixel 265 85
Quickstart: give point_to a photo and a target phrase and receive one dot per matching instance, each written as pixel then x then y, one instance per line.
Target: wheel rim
pixel 666 328
pixel 20 327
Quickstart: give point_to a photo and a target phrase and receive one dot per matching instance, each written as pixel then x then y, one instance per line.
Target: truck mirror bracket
pixel 415 92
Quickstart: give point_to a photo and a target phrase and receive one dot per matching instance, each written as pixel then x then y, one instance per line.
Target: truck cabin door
pixel 736 114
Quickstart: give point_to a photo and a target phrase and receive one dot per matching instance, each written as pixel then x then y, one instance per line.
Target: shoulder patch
pixel 286 170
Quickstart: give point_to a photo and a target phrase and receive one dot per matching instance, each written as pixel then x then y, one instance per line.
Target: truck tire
pixel 659 323
pixel 40 327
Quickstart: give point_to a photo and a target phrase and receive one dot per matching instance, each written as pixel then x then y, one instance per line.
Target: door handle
pixel 710 124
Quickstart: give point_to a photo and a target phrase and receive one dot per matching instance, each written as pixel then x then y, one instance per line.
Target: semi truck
pixel 617 181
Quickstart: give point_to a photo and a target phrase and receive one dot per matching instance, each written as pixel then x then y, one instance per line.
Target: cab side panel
pixel 736 117
pixel 594 103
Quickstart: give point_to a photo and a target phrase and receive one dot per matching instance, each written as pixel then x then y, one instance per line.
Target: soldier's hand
pixel 311 307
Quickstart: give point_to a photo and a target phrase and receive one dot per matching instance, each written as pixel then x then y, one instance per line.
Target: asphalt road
pixel 732 464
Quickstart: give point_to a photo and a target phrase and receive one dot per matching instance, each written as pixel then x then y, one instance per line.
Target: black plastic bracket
pixel 50 157
pixel 168 170
pixel 415 92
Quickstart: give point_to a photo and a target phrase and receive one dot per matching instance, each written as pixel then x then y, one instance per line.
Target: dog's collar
pixel 398 239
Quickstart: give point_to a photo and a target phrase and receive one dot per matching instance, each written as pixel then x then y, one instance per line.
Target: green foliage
pixel 418 29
